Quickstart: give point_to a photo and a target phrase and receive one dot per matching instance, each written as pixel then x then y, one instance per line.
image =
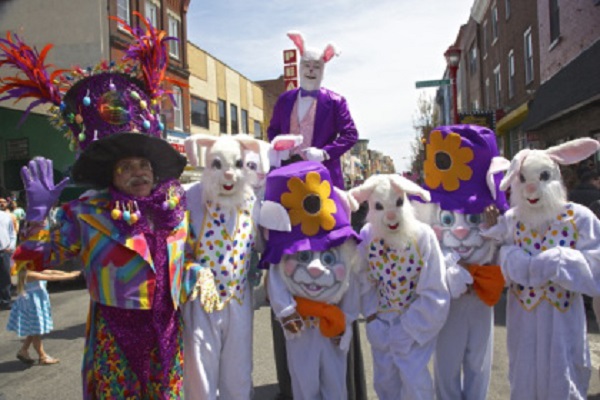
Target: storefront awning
pixel 574 86
pixel 512 119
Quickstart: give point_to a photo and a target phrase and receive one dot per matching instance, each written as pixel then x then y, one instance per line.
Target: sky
pixel 385 47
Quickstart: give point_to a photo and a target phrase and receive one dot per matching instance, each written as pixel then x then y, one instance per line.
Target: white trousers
pixel 317 367
pixel 465 344
pixel 218 352
pixel 399 373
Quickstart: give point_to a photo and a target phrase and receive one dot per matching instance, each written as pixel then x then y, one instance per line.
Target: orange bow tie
pixel 488 282
pixel 332 321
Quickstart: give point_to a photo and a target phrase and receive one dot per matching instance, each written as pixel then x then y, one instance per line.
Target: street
pixel 70 303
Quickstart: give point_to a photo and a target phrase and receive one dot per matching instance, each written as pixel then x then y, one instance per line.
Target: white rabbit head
pixel 312 62
pixel 225 180
pixel 537 190
pixel 390 213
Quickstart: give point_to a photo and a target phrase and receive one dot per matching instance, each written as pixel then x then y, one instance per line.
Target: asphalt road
pixel 70 305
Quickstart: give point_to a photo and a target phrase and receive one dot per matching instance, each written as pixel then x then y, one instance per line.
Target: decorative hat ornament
pixel 303 210
pixel 462 169
pixel 107 112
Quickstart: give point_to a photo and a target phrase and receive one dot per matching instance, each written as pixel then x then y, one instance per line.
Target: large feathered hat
pixel 107 112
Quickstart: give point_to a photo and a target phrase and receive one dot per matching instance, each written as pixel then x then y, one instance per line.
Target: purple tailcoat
pixel 334 129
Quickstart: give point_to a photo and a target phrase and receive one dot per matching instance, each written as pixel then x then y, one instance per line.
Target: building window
pixel 494 24
pixel 497 87
pixel 235 126
pixel 511 74
pixel 257 130
pixel 245 121
pixel 507 8
pixel 484 38
pixel 222 116
pixel 174 32
pixel 123 11
pixel 528 56
pixel 199 112
pixel 177 109
pixel 473 59
pixel 554 20
pixel 151 12
pixel 487 93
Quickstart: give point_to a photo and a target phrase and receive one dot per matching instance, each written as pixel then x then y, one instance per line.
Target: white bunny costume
pixel 224 212
pixel 403 288
pixel 550 257
pixel 311 249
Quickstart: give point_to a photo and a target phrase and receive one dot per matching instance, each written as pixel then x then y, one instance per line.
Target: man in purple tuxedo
pixel 318 114
pixel 323 120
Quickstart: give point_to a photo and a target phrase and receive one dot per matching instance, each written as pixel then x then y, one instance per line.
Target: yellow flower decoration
pixel 446 162
pixel 309 204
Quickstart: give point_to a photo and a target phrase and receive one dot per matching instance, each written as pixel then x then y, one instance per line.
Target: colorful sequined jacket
pixel 119 269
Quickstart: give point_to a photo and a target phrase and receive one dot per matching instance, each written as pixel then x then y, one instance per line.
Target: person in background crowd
pixel 8 242
pixel 588 189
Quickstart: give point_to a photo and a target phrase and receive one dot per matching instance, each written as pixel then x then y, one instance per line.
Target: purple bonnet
pixel 317 216
pixel 457 160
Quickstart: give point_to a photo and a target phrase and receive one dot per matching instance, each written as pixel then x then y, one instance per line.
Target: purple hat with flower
pixel 108 112
pixel 461 169
pixel 304 211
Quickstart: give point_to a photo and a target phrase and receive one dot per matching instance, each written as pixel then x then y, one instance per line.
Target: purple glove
pixel 38 179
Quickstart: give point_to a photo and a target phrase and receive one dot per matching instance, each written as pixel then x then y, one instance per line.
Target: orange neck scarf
pixel 488 282
pixel 332 321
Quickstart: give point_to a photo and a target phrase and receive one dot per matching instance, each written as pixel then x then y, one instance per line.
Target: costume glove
pixel 314 154
pixel 42 194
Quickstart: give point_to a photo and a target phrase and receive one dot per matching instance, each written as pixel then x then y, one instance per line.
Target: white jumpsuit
pixel 317 365
pixel 464 349
pixel 218 346
pixel 546 323
pixel 407 290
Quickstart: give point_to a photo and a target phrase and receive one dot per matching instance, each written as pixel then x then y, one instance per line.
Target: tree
pixel 425 119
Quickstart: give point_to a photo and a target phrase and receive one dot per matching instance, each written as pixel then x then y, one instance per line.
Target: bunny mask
pixel 225 180
pixel 537 190
pixel 390 213
pixel 312 62
pixel 322 276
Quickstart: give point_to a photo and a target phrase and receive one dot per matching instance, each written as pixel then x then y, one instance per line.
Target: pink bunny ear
pixel 194 144
pixel 407 186
pixel 298 41
pixel 573 151
pixel 363 192
pixel 329 52
pixel 513 170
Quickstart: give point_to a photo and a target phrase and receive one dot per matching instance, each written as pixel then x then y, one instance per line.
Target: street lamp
pixel 452 60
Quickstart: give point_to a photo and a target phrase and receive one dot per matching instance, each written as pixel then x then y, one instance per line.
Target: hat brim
pixel 95 164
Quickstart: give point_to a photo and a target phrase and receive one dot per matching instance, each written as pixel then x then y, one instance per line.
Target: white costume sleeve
pixel 427 314
pixel 282 302
pixel 457 277
pixel 367 290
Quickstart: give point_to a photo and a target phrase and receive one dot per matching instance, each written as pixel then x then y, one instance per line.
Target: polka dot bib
pixel 226 254
pixel 396 274
pixel 561 232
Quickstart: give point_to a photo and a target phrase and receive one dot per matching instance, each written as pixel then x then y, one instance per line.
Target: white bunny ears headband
pixel 307 53
pixel 564 154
